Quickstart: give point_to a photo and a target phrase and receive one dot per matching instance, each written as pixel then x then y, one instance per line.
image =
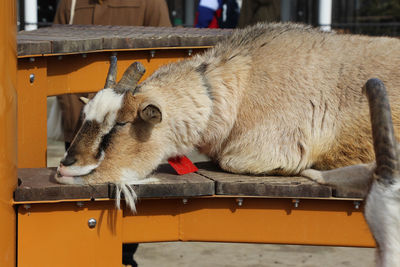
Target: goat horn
pixel 130 78
pixel 85 100
pixel 112 73
pixel 385 144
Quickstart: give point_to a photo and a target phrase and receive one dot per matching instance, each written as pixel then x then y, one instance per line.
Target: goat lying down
pixel 270 99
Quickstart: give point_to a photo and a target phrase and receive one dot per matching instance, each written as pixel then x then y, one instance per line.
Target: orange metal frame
pixel 49 233
pixel 57 233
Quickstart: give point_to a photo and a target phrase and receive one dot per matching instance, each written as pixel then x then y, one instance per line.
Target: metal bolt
pixel 59 57
pixel 92 223
pixel 84 55
pixel 239 201
pixel 31 59
pixel 296 203
pixel 80 204
pixel 185 201
pixel 32 78
pixel 190 51
pixel 152 53
pixel 357 204
pixel 27 206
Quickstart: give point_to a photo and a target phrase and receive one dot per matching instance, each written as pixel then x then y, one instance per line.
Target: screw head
pixel 32 78
pixel 92 223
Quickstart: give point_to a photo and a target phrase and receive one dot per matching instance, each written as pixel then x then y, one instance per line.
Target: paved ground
pixel 251 255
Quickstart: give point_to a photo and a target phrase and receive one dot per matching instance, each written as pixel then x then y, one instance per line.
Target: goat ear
pixel 150 113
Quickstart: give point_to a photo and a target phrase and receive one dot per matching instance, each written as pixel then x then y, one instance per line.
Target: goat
pixel 270 99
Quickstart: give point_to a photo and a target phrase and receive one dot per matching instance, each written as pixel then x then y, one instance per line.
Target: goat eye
pixel 121 123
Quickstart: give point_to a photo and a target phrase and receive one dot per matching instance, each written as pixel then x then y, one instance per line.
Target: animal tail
pixel 385 145
pixel 129 195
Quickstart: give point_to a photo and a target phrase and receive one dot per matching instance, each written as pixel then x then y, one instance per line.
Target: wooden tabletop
pixel 61 39
pixel 39 185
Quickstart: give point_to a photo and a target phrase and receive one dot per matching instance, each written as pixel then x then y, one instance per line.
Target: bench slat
pixel 262 186
pixel 89 38
pixel 39 185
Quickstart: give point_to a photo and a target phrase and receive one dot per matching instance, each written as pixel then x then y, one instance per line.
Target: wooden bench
pixel 38 184
pixel 67 225
pixel 210 205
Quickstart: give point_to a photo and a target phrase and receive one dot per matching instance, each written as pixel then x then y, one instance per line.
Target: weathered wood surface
pixel 262 186
pixel 39 185
pixel 340 193
pixel 89 38
pixel 170 184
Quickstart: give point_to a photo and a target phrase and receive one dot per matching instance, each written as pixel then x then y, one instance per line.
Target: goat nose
pixel 68 160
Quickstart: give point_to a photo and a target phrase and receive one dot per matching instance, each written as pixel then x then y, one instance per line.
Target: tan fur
pixel 273 98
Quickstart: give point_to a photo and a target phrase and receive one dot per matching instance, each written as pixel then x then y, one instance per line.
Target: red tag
pixel 182 165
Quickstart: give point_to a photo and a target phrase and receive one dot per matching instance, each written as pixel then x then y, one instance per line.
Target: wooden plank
pixel 88 38
pixel 38 184
pixel 32 47
pixel 347 193
pixel 148 37
pixel 265 186
pixel 172 185
pixel 62 42
pixel 76 45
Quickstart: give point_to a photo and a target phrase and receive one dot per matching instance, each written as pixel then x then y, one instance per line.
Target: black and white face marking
pixel 87 149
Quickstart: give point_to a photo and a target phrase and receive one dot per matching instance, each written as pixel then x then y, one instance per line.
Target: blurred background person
pixel 217 14
pixel 113 12
pixel 254 11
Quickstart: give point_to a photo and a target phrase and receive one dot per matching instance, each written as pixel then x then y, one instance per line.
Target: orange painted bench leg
pixel 32 112
pixel 8 145
pixel 66 234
